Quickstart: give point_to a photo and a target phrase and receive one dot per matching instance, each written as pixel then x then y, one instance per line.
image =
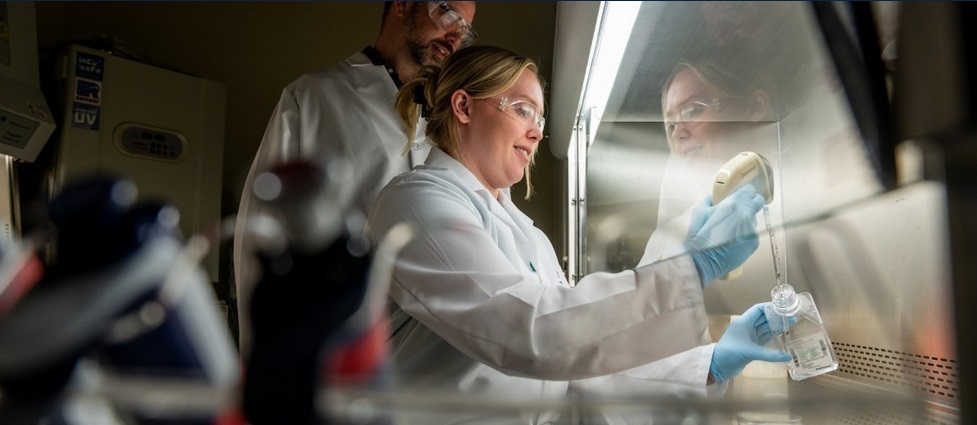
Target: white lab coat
pixel 481 305
pixel 347 112
pixel 683 185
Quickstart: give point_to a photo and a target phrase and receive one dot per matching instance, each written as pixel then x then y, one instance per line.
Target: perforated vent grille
pixel 931 375
pixel 885 413
pixel 885 370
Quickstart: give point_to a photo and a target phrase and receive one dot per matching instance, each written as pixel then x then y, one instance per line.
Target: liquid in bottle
pixel 804 339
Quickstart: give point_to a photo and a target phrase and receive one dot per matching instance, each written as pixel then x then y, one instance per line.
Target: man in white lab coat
pixel 346 112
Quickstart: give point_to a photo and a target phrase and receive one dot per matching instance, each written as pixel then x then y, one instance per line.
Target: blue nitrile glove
pixel 742 343
pixel 723 236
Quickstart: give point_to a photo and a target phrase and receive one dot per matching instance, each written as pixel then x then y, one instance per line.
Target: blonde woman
pixel 480 302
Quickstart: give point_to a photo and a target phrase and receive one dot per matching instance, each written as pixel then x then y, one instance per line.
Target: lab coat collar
pixel 421 145
pixel 441 159
pixel 374 56
pixel 359 59
pixel 520 225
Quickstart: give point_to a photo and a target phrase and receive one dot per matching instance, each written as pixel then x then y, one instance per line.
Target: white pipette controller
pixel 745 167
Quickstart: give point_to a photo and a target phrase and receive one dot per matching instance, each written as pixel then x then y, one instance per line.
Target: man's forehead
pixel 465 8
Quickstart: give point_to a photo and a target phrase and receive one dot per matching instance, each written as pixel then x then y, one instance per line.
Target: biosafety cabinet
pixel 866 132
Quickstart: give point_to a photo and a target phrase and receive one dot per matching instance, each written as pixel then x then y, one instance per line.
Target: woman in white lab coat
pixel 481 304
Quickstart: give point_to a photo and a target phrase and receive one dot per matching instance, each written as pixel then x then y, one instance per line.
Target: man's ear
pixel 760 106
pixel 461 105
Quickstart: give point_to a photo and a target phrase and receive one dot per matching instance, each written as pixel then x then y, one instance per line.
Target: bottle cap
pixel 784 298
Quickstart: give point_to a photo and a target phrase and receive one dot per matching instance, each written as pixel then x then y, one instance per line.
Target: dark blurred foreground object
pixel 293 315
pixel 125 292
pixel 314 313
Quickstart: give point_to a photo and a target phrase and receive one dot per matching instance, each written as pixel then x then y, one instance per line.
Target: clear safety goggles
pixel 523 112
pixel 447 20
pixel 691 112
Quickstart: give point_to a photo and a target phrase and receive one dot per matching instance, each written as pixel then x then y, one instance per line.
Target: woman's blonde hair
pixel 481 71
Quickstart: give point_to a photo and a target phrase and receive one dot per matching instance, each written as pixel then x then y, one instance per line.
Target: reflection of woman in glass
pixel 715 105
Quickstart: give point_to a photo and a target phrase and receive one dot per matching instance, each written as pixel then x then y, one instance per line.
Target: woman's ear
pixel 461 106
pixel 759 106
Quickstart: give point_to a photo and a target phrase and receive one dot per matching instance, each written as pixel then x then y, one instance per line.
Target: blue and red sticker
pixel 87 97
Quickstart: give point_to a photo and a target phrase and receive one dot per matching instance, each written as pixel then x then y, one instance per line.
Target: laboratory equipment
pixel 139 308
pixel 746 167
pixel 160 129
pixel 311 314
pixel 26 123
pixel 805 339
pixel 873 253
pixel 25 120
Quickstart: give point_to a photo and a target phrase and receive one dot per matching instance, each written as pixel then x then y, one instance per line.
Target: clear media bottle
pixel 805 340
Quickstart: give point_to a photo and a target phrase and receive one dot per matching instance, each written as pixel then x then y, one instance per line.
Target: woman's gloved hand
pixel 742 343
pixel 723 236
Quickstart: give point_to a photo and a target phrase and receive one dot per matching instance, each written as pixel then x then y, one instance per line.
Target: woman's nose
pixel 679 132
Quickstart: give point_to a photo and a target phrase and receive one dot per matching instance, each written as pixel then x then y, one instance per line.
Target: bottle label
pixel 810 354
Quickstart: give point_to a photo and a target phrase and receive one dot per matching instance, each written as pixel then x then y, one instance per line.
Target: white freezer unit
pixel 161 129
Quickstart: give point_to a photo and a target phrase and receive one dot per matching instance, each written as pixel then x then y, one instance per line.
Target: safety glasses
pixel 523 112
pixel 447 20
pixel 692 112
